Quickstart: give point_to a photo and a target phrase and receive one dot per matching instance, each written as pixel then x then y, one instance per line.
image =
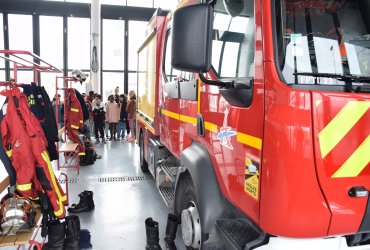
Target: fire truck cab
pixel 253 117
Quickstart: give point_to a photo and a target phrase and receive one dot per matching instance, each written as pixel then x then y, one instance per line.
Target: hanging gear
pixel 171 229
pixel 74 119
pixel 26 144
pixel 152 235
pixel 56 235
pixel 72 241
pixel 85 204
pixel 17 215
pixel 40 106
pixel 5 159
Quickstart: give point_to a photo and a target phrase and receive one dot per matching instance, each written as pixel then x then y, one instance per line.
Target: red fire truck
pixel 254 119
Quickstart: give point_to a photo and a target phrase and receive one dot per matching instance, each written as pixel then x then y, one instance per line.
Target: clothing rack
pixel 26 60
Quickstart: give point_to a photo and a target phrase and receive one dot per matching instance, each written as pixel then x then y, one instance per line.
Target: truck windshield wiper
pixel 346 78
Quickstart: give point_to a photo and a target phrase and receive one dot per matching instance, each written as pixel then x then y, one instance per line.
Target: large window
pixel 165 4
pixel 113 56
pixel 136 36
pixel 113 44
pixel 51 49
pixel 110 82
pixel 78 43
pixel 21 38
pixel 140 3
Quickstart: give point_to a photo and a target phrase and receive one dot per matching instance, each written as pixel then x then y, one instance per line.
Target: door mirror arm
pixel 225 85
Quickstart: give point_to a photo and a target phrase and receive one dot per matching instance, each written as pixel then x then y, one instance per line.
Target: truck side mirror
pixel 192 31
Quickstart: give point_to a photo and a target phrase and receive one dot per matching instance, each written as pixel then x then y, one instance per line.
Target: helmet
pixel 17 215
pixel 81 76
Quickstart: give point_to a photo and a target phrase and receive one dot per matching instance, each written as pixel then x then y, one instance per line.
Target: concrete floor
pixel 121 207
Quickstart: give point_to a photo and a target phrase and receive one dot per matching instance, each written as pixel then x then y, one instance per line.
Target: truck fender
pixel 196 160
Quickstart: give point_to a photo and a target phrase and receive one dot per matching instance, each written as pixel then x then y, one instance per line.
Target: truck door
pixel 233 117
pixel 170 100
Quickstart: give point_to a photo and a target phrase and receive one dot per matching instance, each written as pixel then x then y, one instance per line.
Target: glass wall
pixel 113 56
pixel 136 37
pixel 51 49
pixel 78 43
pixel 140 3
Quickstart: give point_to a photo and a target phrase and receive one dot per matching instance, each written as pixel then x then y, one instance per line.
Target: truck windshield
pixel 320 41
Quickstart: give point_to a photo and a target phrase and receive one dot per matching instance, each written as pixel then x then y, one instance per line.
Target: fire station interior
pixel 184 124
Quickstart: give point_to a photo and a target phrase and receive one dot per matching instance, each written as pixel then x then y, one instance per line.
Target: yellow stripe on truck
pixel 211 127
pixel 356 162
pixel 171 114
pixel 249 140
pixel 188 119
pixel 341 124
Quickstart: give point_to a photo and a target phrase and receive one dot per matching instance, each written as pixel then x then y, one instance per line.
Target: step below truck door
pixel 342 151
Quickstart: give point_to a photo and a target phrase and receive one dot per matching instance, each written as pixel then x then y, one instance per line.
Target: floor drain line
pixel 70 181
pixel 126 178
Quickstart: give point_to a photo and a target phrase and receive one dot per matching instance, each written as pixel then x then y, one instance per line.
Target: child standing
pixel 99 118
pixel 122 118
pixel 131 110
pixel 112 116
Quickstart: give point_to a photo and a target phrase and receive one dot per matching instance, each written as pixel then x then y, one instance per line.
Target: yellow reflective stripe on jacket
pixel 82 153
pixel 9 153
pixel 23 187
pixel 81 121
pixel 74 110
pixel 61 209
pixel 75 127
pixel 45 156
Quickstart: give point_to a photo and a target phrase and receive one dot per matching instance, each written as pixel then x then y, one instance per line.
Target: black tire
pixel 185 195
pixel 143 163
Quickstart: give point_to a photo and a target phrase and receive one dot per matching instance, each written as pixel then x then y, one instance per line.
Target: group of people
pixel 118 113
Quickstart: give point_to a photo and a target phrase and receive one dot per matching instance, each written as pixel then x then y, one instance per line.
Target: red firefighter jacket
pixel 25 143
pixel 74 119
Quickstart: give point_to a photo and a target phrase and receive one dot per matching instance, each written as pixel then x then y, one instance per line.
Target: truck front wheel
pixel 186 206
pixel 143 162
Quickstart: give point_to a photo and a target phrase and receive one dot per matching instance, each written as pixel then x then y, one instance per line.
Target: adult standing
pixel 123 117
pixel 116 94
pixel 131 110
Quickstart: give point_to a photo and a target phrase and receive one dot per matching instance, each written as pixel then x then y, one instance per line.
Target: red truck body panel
pixel 297 191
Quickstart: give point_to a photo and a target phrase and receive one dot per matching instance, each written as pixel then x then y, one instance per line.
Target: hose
pixel 94 60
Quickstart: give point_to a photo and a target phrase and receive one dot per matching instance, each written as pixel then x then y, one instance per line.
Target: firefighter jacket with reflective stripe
pixel 5 159
pixel 74 118
pixel 25 143
pixel 40 106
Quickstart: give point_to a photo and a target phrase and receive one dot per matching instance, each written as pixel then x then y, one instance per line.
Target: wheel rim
pixel 190 226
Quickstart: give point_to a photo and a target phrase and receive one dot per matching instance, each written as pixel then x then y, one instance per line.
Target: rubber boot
pixel 86 204
pixel 152 235
pixel 90 196
pixel 171 229
pixel 56 234
pixel 72 241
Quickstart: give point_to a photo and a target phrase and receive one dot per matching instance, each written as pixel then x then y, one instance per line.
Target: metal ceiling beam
pixel 52 8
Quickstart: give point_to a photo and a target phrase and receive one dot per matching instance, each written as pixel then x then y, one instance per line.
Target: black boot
pixel 56 234
pixel 72 241
pixel 86 203
pixel 152 235
pixel 90 196
pixel 171 229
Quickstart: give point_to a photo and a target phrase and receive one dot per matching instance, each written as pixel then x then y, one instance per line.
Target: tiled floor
pixel 117 222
